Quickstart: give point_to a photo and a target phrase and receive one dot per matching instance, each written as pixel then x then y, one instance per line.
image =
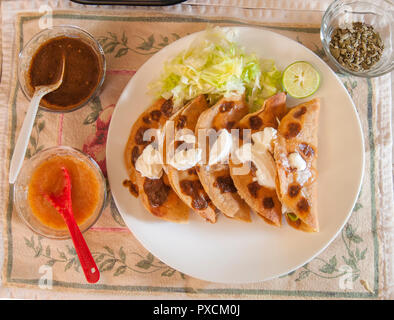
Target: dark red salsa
pixel 83 72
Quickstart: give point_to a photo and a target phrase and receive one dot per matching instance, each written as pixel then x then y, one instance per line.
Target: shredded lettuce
pixel 292 216
pixel 217 66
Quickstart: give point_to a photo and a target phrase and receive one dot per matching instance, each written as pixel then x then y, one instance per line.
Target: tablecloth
pixel 362 252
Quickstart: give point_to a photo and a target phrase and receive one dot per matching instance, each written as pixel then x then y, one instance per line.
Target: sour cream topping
pixel 185 158
pixel 263 139
pixel 260 153
pixel 221 148
pixel 149 163
pixel 296 161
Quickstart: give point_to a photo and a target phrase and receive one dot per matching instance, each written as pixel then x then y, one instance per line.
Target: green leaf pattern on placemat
pixel 34 142
pixel 330 269
pixel 349 83
pixel 118 263
pixel 96 108
pixel 118 45
pixel 107 259
pixel 68 257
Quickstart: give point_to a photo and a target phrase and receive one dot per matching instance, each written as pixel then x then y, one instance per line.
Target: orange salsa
pixel 48 178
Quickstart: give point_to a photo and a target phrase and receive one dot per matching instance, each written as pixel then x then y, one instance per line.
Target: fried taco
pixel 144 165
pixel 215 140
pixel 252 165
pixel 182 156
pixel 296 160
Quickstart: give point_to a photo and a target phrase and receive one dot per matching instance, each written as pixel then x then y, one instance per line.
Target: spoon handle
pixel 88 264
pixel 23 138
pixel 28 122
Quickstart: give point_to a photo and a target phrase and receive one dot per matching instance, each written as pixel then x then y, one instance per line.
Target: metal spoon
pixel 27 126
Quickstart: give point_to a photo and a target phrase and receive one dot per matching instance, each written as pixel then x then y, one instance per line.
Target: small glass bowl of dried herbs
pixel 357 37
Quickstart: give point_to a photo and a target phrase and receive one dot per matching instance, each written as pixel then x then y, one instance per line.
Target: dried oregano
pixel 356 48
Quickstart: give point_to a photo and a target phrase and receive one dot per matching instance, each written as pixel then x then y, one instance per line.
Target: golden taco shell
pixel 297 189
pixel 262 199
pixel 186 182
pixel 216 179
pixel 156 195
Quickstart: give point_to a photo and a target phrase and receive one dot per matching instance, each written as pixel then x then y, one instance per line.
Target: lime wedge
pixel 300 79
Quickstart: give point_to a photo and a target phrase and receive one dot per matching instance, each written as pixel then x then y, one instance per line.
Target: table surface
pixel 130 35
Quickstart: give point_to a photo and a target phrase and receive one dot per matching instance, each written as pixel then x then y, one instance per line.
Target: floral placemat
pixel 353 266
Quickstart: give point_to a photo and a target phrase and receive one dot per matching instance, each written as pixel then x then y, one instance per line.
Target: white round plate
pixel 231 251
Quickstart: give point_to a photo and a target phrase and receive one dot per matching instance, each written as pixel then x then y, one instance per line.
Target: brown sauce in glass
pixel 82 75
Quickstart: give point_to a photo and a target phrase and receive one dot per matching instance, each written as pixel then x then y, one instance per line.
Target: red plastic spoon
pixel 63 205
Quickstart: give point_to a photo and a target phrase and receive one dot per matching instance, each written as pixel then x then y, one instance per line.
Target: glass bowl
pixel 27 53
pixel 22 184
pixel 378 13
